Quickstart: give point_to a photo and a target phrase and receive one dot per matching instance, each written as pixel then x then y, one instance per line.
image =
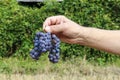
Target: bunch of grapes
pixel 44 42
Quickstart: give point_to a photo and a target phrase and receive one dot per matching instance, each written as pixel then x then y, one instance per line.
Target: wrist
pixel 84 34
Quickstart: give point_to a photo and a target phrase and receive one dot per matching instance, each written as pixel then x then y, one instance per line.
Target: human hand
pixel 70 32
pixel 67 30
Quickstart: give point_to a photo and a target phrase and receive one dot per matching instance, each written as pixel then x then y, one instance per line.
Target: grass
pixel 54 76
pixel 75 69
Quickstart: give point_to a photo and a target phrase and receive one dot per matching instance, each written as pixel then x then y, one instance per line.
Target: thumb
pixel 54 28
pixel 47 29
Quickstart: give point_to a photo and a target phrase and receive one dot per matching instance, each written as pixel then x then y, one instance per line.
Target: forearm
pixel 106 40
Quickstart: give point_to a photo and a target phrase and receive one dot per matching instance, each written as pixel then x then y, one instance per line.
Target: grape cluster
pixel 44 42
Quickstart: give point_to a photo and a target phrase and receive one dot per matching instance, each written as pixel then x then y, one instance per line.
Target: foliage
pixel 19 23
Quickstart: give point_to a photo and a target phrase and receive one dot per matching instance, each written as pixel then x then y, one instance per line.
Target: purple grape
pixel 35 44
pixel 55 60
pixel 36 48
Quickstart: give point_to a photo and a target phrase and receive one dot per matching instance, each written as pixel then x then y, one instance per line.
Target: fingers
pixel 54 20
pixel 54 28
pixel 50 21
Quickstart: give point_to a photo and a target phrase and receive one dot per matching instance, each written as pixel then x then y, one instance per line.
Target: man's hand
pixel 67 30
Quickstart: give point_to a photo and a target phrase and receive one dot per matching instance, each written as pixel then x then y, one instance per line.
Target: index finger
pixel 49 21
pixel 53 20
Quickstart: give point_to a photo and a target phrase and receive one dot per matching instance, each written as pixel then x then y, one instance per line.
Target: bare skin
pixel 73 33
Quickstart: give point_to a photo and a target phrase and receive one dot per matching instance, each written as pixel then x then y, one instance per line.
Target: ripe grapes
pixel 44 42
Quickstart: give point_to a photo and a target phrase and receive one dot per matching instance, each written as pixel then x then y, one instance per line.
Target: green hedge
pixel 20 22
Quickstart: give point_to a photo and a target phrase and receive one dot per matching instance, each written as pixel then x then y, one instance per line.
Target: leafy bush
pixel 19 23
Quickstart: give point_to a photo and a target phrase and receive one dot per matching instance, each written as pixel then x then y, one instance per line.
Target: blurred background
pixel 20 20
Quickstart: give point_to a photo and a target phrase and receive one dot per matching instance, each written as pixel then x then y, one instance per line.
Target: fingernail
pixel 43 26
pixel 47 28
